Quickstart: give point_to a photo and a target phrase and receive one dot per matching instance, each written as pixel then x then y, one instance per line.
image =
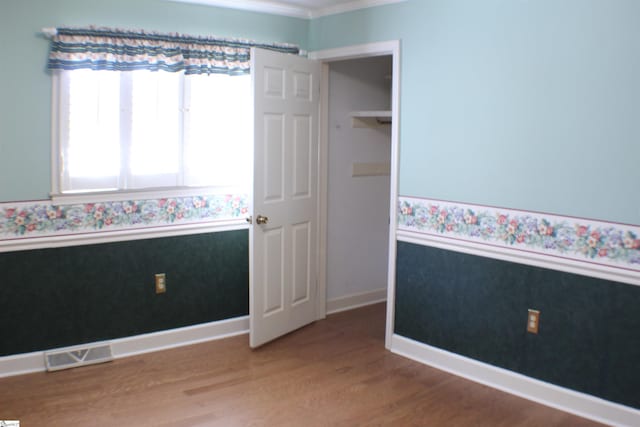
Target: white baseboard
pixel 123 347
pixel 349 302
pixel 24 363
pixel 564 399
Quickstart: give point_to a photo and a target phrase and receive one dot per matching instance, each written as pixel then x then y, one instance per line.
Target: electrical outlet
pixel 533 321
pixel 161 283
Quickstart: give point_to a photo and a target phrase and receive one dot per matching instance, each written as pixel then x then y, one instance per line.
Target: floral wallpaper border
pixel 610 244
pixel 23 220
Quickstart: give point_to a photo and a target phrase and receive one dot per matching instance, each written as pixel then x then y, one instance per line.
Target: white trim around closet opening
pixel 340 54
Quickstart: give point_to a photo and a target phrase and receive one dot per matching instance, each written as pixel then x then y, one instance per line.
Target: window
pixel 132 130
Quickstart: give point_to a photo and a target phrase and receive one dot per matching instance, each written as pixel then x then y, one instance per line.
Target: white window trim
pixel 55 134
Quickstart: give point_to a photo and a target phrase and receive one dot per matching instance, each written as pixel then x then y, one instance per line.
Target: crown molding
pixel 271 7
pixel 350 6
pixel 283 9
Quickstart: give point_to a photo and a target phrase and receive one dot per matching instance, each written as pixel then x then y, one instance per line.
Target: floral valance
pixel 124 50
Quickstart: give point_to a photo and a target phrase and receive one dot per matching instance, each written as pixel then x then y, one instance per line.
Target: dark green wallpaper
pixel 58 297
pixel 589 338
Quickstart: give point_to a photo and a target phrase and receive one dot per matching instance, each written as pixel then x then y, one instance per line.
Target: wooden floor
pixel 335 372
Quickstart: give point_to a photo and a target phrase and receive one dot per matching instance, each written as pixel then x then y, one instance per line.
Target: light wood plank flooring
pixel 335 372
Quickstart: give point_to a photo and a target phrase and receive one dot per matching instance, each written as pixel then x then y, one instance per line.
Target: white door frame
pixel 338 54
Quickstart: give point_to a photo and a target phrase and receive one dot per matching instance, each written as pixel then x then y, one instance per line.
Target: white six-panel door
pixel 284 231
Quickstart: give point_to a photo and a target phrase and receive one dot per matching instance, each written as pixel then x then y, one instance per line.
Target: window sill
pixel 145 194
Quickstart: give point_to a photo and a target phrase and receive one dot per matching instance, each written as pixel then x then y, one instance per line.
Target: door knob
pixel 260 219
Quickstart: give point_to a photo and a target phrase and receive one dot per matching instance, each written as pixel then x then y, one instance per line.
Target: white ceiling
pixel 297 8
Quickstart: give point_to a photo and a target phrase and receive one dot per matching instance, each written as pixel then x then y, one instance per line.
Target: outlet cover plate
pixel 161 283
pixel 533 321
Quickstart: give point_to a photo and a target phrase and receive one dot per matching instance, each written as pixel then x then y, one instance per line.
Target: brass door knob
pixel 260 219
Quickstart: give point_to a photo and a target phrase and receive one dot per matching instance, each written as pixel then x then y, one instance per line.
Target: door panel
pixel 273 278
pixel 301 262
pixel 303 148
pixel 283 249
pixel 302 85
pixel 273 165
pixel 274 82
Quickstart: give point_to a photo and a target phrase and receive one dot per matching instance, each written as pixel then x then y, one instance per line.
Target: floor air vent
pixel 71 357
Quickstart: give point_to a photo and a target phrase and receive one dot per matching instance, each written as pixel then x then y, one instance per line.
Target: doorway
pixel 359 155
pixel 289 289
pixel 358 176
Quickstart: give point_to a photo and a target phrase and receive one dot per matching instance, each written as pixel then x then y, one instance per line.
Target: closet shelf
pixel 365 119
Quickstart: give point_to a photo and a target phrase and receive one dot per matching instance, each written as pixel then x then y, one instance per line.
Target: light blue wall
pixel 529 104
pixel 25 88
pixel 515 103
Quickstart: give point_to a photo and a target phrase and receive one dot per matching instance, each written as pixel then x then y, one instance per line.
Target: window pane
pixel 218 131
pixel 143 129
pixel 155 123
pixel 93 146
